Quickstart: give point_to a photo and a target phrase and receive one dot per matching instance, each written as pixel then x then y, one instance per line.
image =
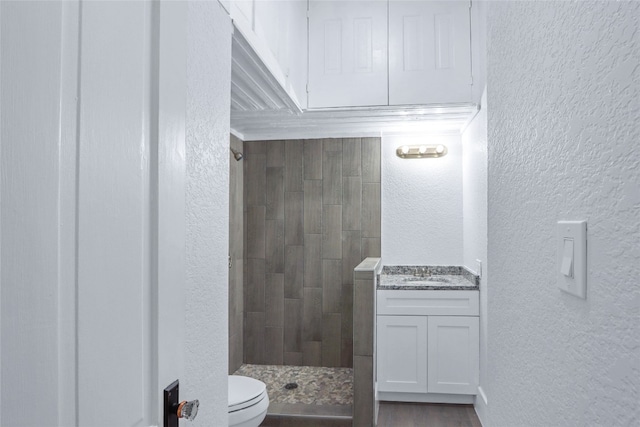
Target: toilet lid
pixel 243 389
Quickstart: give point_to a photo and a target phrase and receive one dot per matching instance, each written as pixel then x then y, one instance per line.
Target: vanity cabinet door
pixel 402 354
pixel 453 355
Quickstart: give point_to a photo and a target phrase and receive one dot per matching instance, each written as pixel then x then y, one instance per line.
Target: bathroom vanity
pixel 427 334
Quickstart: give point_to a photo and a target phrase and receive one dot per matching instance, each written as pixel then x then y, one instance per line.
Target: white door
pixel 347 53
pixel 402 354
pixel 93 193
pixel 429 52
pixel 453 354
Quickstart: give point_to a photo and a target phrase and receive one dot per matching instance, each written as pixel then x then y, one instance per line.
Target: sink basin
pixel 431 279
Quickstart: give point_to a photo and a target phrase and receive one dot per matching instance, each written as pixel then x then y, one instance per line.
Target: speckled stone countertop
pixel 427 277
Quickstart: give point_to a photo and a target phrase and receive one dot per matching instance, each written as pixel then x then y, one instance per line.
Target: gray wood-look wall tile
pixel 312 207
pixel 292 325
pixel 293 359
pixel 275 193
pixel 370 159
pixel 331 286
pixel 293 271
pixel 313 260
pixel 274 300
pixel 254 337
pixel 371 210
pixel 313 159
pixel 293 161
pixel 294 218
pixel 371 247
pixel 351 254
pixel 312 315
pixel 332 232
pixel 254 285
pixel 312 353
pixel 331 344
pixel 363 301
pixel 332 144
pixel 331 177
pixel 255 172
pixel 351 203
pixel 346 336
pixel 273 346
pixel 275 153
pixel 255 147
pixel 274 246
pixel 255 231
pixel 363 400
pixel 351 157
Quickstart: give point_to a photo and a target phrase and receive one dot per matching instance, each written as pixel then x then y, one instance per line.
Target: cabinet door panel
pixel 453 360
pixel 402 353
pixel 347 53
pixel 429 52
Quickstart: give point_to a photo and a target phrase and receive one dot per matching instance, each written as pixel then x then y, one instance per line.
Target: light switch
pixel 567 258
pixel 571 251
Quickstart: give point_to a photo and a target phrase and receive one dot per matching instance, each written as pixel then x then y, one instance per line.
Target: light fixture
pixel 421 151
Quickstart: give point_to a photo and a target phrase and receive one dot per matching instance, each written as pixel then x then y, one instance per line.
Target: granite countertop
pixel 425 277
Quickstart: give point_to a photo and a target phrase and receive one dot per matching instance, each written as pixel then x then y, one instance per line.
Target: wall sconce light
pixel 421 151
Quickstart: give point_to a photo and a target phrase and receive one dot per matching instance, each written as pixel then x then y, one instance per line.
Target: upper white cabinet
pixel 347 53
pixel 429 52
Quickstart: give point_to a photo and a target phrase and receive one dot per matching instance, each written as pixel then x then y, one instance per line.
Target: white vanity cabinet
pixel 427 345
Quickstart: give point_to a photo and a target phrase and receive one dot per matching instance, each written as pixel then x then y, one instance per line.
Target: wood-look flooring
pixel 396 414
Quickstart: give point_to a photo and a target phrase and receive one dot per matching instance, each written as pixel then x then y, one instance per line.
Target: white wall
pixel 421 203
pixel 208 99
pixel 474 204
pixel 564 90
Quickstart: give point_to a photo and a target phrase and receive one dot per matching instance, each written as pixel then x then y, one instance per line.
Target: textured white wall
pixel 422 204
pixel 208 98
pixel 563 86
pixel 474 207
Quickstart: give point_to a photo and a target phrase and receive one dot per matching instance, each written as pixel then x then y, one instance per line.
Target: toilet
pixel 248 401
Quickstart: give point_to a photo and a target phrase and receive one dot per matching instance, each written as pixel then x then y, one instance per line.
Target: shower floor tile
pixel 316 385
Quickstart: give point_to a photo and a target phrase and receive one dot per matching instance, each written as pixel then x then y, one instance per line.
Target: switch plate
pixel 571 270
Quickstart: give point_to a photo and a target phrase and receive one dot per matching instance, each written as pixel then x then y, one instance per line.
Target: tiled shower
pixel 311 214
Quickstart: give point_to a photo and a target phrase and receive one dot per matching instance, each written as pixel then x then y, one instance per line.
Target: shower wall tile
pixel 273 346
pixel 331 286
pixel 331 344
pixel 294 217
pixel 313 207
pixel 256 231
pixel 293 271
pixel 312 353
pixel 331 177
pixel 313 159
pixel 275 193
pixel 275 153
pixel 312 213
pixel 351 157
pixel 363 296
pixel 292 325
pixel 313 260
pixel 351 203
pixel 370 159
pixel 254 285
pixel 371 210
pixel 312 315
pixel 274 300
pixel 293 161
pixel 332 232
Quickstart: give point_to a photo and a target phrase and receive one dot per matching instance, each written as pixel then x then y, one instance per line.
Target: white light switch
pixel 567 258
pixel 572 257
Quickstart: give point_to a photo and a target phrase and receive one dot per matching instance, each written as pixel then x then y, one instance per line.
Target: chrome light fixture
pixel 421 151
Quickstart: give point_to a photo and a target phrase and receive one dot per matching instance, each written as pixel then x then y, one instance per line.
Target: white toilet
pixel 248 401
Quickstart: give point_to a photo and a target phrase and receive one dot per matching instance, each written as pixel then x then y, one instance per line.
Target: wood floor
pixel 395 414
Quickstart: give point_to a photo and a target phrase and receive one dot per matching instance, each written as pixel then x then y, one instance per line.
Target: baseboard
pixel 481 407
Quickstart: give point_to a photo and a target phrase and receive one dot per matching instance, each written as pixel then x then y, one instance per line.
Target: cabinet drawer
pixel 427 303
